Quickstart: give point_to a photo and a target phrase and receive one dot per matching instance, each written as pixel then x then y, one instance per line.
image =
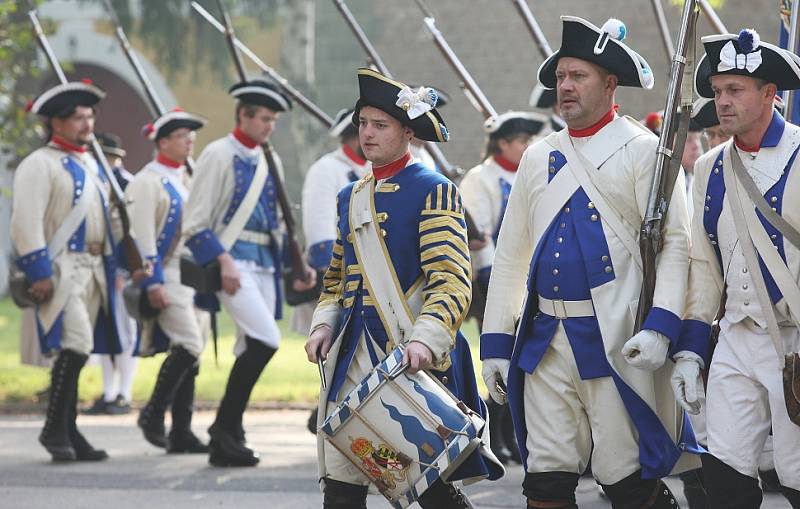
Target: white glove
pixel 686 381
pixel 492 371
pixel 646 350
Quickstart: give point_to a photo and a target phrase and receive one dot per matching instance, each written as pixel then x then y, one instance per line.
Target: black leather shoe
pixel 227 450
pixel 185 442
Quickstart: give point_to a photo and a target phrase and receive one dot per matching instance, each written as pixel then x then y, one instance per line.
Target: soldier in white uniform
pixel 325 178
pixel 240 229
pixel 61 228
pixel 158 194
pixel 580 387
pixel 747 257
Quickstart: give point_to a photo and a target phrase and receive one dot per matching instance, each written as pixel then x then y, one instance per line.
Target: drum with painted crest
pixel 403 431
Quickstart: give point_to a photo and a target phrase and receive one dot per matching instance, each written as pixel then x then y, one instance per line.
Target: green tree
pixel 17 81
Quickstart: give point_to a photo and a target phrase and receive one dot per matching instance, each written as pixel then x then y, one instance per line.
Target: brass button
pixel 590 205
pixel 560 240
pixel 444 380
pixel 594 217
pixel 552 159
pixel 555 288
pixel 555 272
pixel 608 270
pixel 556 254
pixel 604 258
pixel 773 199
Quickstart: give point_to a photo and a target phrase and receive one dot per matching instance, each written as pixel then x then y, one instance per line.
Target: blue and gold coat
pixel 423 231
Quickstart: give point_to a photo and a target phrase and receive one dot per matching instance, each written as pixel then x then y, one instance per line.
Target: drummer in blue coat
pixel 424 244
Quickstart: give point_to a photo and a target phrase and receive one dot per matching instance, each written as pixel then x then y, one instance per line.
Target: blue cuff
pixel 158 273
pixel 695 337
pixel 497 346
pixel 665 322
pixel 319 254
pixel 205 246
pixel 35 265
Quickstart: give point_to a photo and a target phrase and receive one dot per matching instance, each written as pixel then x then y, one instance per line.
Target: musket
pixel 471 89
pixel 133 256
pixel 156 106
pixel 452 172
pixel 668 155
pixel 794 33
pixel 663 28
pixel 306 103
pixel 711 14
pixel 533 28
pixel 300 268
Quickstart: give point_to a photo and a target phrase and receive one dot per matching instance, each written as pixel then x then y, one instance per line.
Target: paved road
pixel 139 476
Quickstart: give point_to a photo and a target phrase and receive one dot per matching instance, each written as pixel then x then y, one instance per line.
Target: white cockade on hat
pixel 749 59
pixel 417 102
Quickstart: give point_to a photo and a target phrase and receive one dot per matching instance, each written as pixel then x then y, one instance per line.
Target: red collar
pixel 743 148
pixel 244 139
pixel 391 169
pixel 66 146
pixel 351 154
pixel 505 163
pixel 166 161
pixel 592 130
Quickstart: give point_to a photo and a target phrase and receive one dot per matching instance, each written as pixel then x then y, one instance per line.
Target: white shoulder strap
pixel 74 218
pixel 580 169
pixel 231 232
pixel 379 276
pixel 555 195
pixel 753 237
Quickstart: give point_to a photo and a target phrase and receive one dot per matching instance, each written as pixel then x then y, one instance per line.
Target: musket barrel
pixel 361 37
pixel 302 100
pixel 486 107
pixel 663 27
pixel 712 16
pixel 794 33
pixel 533 28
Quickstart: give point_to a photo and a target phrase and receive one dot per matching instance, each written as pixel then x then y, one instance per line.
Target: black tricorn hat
pixel 415 108
pixel 746 55
pixel 704 113
pixel 601 46
pixel 261 93
pixel 170 121
pixel 515 122
pixel 110 144
pixel 59 98
pixel 543 98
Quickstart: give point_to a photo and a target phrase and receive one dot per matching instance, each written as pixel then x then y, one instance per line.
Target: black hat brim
pixel 178 123
pixel 578 40
pixel 261 93
pixel 60 98
pixel 380 92
pixel 778 65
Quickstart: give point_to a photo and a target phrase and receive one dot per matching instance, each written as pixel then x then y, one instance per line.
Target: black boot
pixel 694 489
pixel 83 449
pixel 728 488
pixel 173 370
pixel 793 496
pixel 312 421
pixel 443 495
pixel 634 492
pixel 227 444
pixel 342 495
pixel 496 427
pixel 181 438
pixel 64 382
